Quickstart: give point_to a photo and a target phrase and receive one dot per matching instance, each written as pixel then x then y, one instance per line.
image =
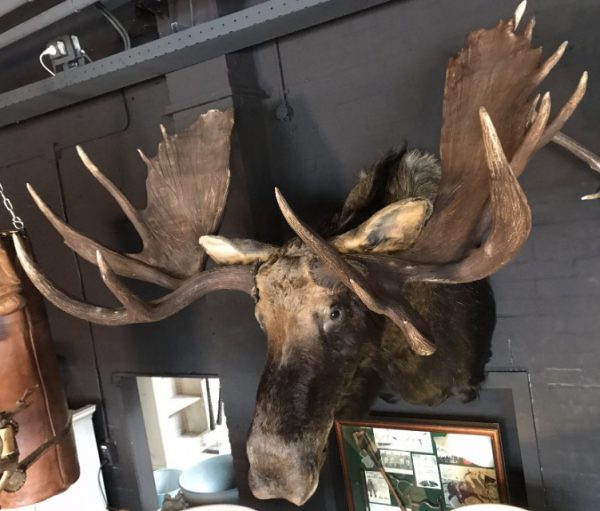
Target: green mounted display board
pixel 417 466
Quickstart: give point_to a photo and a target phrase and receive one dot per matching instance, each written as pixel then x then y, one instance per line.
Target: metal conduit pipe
pixel 43 20
pixel 7 6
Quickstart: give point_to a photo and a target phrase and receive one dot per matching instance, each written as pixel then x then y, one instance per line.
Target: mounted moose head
pixel 395 299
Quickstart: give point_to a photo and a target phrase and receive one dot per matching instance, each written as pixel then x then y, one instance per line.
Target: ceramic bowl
pixel 166 481
pixel 212 481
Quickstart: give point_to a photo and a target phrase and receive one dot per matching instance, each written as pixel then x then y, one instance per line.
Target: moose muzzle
pixel 282 469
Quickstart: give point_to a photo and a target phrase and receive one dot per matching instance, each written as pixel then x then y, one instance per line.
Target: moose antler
pixel 499 71
pixel 576 149
pixel 187 187
pixel 481 217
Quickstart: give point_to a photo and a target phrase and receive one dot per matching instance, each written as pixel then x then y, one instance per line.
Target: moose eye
pixel 334 318
pixel 335 314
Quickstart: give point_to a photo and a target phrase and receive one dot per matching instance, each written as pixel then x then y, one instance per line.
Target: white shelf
pixel 180 402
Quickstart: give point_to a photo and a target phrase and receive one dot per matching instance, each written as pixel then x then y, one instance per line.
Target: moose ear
pixel 236 251
pixel 392 229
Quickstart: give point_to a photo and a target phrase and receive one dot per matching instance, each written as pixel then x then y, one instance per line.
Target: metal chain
pixel 16 221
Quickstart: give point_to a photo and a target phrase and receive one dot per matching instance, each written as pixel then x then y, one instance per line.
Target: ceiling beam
pixel 248 27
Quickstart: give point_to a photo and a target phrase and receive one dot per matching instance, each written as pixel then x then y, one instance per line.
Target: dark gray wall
pixel 311 110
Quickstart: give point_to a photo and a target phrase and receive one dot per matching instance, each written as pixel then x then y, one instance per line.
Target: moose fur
pixel 321 336
pixel 462 317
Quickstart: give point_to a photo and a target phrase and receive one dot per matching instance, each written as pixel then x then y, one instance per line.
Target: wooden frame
pixel 420 465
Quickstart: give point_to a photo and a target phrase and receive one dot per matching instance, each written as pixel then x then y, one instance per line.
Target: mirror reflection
pixel 188 441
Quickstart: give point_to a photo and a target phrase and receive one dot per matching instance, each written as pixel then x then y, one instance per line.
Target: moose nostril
pixel 279 485
pixel 280 470
pixel 289 485
pixel 263 487
pixel 259 479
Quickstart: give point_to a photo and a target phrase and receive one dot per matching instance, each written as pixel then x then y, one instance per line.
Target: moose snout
pixel 271 485
pixel 280 470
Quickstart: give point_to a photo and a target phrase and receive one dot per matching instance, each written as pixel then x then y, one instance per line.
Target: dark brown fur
pixel 319 368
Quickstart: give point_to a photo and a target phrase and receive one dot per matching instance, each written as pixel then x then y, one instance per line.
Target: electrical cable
pixel 118 26
pixel 100 485
pixel 86 56
pixel 51 50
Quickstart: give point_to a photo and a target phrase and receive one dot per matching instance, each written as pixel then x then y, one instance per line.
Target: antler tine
pixel 236 278
pixel 87 248
pixel 540 132
pixel 510 214
pixel 399 311
pixel 528 31
pixel 131 213
pixel 575 148
pixel 62 300
pixel 534 106
pixel 137 308
pixel 548 66
pixel 168 145
pixel 566 111
pixel 532 138
pixel 519 11
pixel 591 196
pixel 145 158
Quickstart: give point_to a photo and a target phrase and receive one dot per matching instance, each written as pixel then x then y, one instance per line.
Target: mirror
pixel 188 441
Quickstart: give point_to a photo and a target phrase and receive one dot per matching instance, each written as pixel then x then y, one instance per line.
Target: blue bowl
pixel 166 481
pixel 212 481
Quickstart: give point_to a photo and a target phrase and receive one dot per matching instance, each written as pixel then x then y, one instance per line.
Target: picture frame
pixel 421 465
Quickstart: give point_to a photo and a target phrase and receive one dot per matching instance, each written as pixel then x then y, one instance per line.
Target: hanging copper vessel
pixel 37 447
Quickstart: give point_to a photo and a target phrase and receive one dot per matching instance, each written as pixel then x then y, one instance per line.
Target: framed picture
pixel 421 466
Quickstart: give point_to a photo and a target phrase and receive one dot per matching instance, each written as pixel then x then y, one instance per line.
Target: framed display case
pixel 418 465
